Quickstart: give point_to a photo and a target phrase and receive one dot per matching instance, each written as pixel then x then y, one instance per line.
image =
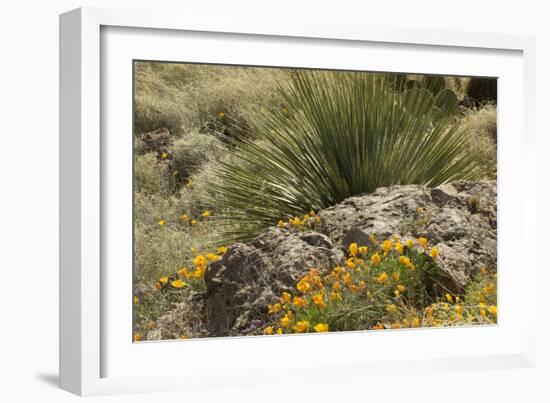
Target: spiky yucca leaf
pixel 340 134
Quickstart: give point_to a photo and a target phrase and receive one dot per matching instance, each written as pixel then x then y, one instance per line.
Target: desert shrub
pixel 480 127
pixel 389 285
pixel 340 134
pixel 190 152
pixel 151 176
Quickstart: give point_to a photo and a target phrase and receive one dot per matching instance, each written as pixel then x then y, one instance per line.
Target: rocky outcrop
pixel 249 277
pixel 458 218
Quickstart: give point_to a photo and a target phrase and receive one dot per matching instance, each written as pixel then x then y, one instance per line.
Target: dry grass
pixel 481 127
pixel 181 97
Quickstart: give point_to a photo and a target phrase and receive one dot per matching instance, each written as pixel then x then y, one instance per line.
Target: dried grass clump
pixel 480 125
pixel 150 175
pixel 180 97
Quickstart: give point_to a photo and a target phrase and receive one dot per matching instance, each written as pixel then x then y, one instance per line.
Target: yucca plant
pixel 339 134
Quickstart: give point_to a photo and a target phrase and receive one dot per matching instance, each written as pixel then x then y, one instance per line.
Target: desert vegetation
pixel 233 163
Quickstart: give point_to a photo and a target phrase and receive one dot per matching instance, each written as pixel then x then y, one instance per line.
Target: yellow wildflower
pixel 189 185
pixel 199 261
pixel 448 297
pixel 183 272
pixel 434 252
pixel 274 308
pixel 429 313
pixel 199 272
pixel 400 287
pixel 185 217
pixel 404 260
pixel 281 224
pixel 206 213
pixel 221 115
pixel 286 297
pixel 137 336
pixel 423 242
pixel 222 250
pixel 212 257
pixel 493 310
pixel 347 279
pixel 335 296
pixel 193 222
pixel 136 300
pixel 317 219
pixel 321 327
pixel 395 276
pixel 396 325
pixel 163 280
pixel 483 313
pixel 280 330
pixel 459 309
pixel 149 325
pixel 164 155
pixel 382 278
pixel 363 250
pixel 399 247
pixel 301 326
pixel 378 326
pixel 303 285
pixel 285 322
pixel 490 288
pixel 318 300
pixel 177 284
pixel 375 259
pixel 336 286
pixel 299 302
pixel 157 285
pixel 268 330
pixel 409 243
pixel 350 263
pixel 353 249
pixel 415 322
pixel 387 246
pixel 295 222
pixel 162 222
pixel 391 308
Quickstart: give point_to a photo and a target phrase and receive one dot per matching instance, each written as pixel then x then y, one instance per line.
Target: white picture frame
pixel 86 343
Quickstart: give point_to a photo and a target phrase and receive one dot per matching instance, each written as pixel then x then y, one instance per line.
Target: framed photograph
pixel 241 195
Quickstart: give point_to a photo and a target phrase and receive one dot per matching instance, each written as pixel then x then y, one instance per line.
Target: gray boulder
pixel 249 277
pixel 458 218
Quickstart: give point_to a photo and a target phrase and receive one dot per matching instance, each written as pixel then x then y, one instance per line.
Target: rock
pixel 458 218
pixel 156 141
pixel 249 277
